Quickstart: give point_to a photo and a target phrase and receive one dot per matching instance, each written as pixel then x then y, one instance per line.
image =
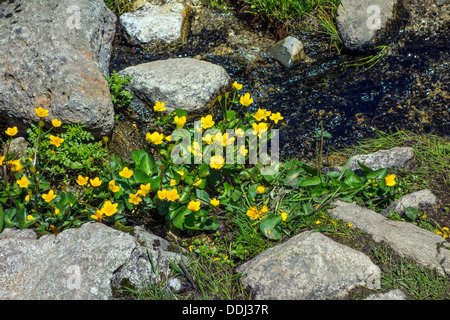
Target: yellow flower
pixel 28 197
pixel 207 122
pixel 15 165
pixel 162 194
pixel 126 173
pixel 145 189
pixel 56 123
pixel 261 189
pixel 237 86
pixel 350 224
pixel 216 162
pixel 11 131
pixel 239 132
pixel 155 138
pixel 253 213
pixel 259 128
pixel 159 107
pixel 223 139
pixel 214 202
pixel 242 150
pixel 173 182
pixel 318 222
pixel 135 198
pixel 30 217
pixel 261 114
pixel 1 160
pixel 180 121
pixel 95 182
pixel 57 211
pixel 113 187
pixel 390 180
pixel 275 117
pixel 197 183
pixel 49 196
pixel 194 205
pixel 246 100
pixel 56 141
pixel 263 210
pixel 181 173
pixel 23 182
pixel 41 113
pixel 98 215
pixel 109 208
pixel 168 138
pixel 208 138
pixel 284 215
pixel 196 151
pixel 82 180
pixel 172 195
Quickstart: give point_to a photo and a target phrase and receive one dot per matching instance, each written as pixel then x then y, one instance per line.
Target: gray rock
pixel 358 21
pixel 418 199
pixel 396 294
pixel 167 23
pixel 52 55
pixel 309 266
pixel 406 239
pixel 395 158
pixel 288 51
pixel 183 83
pixel 79 263
pixel 17 146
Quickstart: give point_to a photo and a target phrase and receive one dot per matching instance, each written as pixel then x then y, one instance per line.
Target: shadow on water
pixel 407 89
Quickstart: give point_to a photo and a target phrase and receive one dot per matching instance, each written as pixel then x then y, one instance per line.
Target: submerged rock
pixel 181 83
pixel 52 55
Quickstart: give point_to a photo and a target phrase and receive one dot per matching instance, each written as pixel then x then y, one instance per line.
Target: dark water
pixel 407 89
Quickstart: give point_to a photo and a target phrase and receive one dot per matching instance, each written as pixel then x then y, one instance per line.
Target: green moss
pixel 119 226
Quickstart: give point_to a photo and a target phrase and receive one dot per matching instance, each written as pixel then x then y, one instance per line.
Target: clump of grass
pixel 118 6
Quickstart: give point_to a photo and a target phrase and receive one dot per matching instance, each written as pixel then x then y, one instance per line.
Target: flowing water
pixel 407 89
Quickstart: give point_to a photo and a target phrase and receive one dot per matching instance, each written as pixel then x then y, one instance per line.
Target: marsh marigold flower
pixel 11 131
pixel 23 182
pixel 162 194
pixel 390 180
pixel 41 113
pixel 284 215
pixel 236 85
pixel 261 189
pixel 253 213
pixel 155 138
pixel 56 141
pixel 126 173
pixel 15 165
pixel 82 180
pixel 180 121
pixel 95 182
pixel 246 100
pixel 98 215
pixel 56 123
pixel 144 189
pixel 261 114
pixel 49 196
pixel 259 128
pixel 159 106
pixel 207 122
pixel 172 195
pixel 109 208
pixel 214 202
pixel 113 187
pixel 216 162
pixel 194 205
pixel 135 198
pixel 275 117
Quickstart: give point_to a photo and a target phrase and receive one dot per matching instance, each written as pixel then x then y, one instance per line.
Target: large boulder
pixel 83 263
pixel 181 83
pixel 362 23
pixel 309 266
pixel 53 55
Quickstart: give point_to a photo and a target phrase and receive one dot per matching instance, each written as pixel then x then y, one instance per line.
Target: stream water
pixel 406 89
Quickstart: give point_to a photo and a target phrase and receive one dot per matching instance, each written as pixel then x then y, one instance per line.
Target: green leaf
pixel 236 195
pixel 314 181
pixel 378 174
pixel 230 114
pixel 364 168
pixel 147 164
pixel 137 155
pixel 268 226
pixel 353 181
pixel 202 195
